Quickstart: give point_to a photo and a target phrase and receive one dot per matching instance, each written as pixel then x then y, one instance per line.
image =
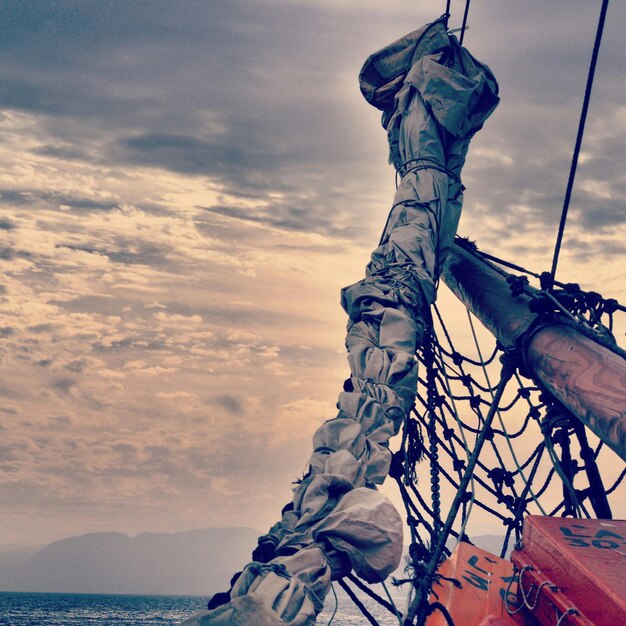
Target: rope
pixel 450 380
pixel 366 614
pixel 437 606
pixel 617 482
pixel 507 593
pixel 525 598
pixel 508 441
pixel 579 137
pixel 421 594
pixel 570 611
pixel 464 25
pixel 446 14
pixel 544 277
pixel 440 420
pixel 395 609
pixel 365 589
pixel 522 501
pixel 432 435
pixel 482 483
pixel 565 480
pixel 332 617
pixel 466 447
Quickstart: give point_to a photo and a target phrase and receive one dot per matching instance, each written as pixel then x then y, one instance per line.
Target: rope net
pixel 484 446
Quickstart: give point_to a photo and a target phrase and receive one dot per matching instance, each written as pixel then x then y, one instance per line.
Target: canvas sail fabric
pixel 434 96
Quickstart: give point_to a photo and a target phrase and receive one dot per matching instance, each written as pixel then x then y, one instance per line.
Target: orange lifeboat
pixel 486 584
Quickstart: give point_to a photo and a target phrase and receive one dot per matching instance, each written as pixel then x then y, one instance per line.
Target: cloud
pixel 183 193
pixel 285 142
pixel 189 155
pixel 231 403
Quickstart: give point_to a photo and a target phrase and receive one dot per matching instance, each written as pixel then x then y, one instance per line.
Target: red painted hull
pixel 573 566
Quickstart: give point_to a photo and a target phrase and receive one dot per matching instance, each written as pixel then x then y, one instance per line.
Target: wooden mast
pixel 586 378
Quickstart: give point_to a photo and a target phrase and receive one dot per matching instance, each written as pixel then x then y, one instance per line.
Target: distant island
pixel 198 562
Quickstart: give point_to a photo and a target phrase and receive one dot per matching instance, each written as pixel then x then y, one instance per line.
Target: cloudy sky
pixel 186 186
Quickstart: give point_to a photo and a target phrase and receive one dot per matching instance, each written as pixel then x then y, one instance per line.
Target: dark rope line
pixel 480 364
pixel 463 377
pixel 422 502
pixel 368 616
pixel 512 474
pixel 558 420
pixel 425 584
pixel 471 381
pixel 545 485
pixel 454 352
pixel 508 407
pixel 431 424
pixel 446 14
pixel 597 491
pixel 581 504
pixel 408 500
pixel 445 374
pixel 466 359
pixel 482 483
pixel 521 431
pixel 522 503
pixel 465 425
pixel 458 375
pixel 579 136
pixel 495 492
pixel 464 25
pixel 365 589
pixel 437 606
pixel 508 264
pixel 557 509
pixel 597 450
pixel 536 451
pixel 466 380
pixel 617 482
pixel 473 397
pixel 491 439
pixel 457 464
pixel 458 439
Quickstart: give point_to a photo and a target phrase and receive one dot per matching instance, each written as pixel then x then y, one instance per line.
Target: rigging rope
pixel 445 374
pixel 579 137
pixel 446 14
pixel 464 25
pixel 422 591
pixel 366 614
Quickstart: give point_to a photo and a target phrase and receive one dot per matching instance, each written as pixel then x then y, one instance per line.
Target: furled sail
pixel 434 96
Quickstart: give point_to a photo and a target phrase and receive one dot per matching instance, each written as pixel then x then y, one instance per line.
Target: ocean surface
pixel 58 609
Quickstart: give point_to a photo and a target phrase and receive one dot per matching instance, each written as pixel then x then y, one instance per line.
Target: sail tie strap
pixel 424 163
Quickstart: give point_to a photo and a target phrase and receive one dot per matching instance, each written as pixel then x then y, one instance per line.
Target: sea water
pixel 59 609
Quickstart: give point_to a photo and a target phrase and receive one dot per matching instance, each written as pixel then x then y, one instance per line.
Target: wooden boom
pixel 585 377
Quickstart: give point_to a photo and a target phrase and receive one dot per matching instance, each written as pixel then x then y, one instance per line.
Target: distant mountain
pixel 12 556
pixel 198 562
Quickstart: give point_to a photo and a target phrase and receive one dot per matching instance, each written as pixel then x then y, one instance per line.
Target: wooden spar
pixel 588 379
